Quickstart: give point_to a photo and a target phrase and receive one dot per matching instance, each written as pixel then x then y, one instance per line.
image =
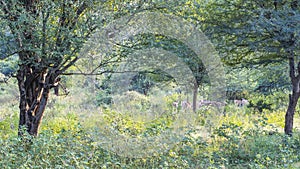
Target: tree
pixel 181 50
pixel 47 38
pixel 48 35
pixel 258 33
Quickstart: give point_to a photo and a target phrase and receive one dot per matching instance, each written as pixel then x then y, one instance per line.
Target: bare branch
pixel 100 73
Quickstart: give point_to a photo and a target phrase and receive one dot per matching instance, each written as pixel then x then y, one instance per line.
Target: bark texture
pixel 294 97
pixel 46 49
pixel 34 87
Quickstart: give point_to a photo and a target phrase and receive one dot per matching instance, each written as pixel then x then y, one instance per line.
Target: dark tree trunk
pixel 34 87
pixel 39 64
pixel 294 97
pixel 35 77
pixel 289 116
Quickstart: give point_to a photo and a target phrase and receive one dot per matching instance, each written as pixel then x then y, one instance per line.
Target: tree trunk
pixel 34 88
pixel 195 92
pixel 294 97
pixel 289 116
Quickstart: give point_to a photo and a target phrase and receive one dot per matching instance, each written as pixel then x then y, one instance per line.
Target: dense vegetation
pixel 244 138
pixel 94 84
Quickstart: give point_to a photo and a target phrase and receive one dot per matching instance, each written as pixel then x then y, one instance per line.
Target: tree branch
pixel 64 68
pixel 292 69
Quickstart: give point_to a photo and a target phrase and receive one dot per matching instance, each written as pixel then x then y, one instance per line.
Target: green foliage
pixel 233 145
pixel 8 125
pixel 271 78
pixel 267 80
pixel 58 124
pixel 131 101
pixel 241 139
pixel 132 126
pixel 8 66
pixel 103 98
pixel 59 32
pixel 268 102
pixel 144 41
pixel 253 32
pixel 276 118
pixel 142 83
pixel 238 140
pixel 254 147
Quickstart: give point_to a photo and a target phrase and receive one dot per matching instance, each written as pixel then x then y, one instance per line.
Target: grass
pixel 70 138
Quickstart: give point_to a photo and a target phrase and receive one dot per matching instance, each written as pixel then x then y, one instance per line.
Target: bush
pixel 237 140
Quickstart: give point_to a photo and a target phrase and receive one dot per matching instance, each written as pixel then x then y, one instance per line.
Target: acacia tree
pixel 48 36
pixel 258 33
pixel 180 49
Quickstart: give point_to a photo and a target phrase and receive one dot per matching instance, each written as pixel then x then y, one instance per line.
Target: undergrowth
pixel 65 143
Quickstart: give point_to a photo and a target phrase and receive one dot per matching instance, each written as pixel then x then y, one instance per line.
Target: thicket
pixel 238 140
